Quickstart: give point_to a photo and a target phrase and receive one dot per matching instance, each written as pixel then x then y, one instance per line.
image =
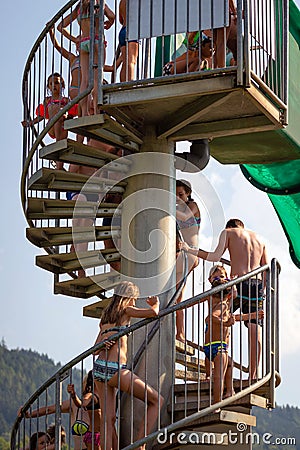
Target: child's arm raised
pixel 110 17
pixel 153 302
pixel 65 22
pixel 67 55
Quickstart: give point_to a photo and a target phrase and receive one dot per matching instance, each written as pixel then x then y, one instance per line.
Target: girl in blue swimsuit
pixel 110 371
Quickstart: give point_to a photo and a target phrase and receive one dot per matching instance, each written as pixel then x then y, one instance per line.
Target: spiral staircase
pixel 175 369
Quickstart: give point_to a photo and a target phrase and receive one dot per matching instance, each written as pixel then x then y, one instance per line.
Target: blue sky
pixel 31 316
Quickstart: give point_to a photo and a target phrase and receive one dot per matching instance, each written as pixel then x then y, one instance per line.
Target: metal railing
pixel 258 35
pixel 179 409
pixel 257 40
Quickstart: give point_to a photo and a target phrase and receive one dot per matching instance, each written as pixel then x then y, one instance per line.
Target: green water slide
pixel 278 151
pixel 281 180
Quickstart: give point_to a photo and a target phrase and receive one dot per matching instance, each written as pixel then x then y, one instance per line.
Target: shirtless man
pixel 129 52
pixel 247 252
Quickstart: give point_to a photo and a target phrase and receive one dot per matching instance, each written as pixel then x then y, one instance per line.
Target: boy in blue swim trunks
pixel 217 333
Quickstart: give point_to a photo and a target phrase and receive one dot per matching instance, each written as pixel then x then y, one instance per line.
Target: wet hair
pixel 124 293
pixel 33 443
pixel 187 188
pixel 51 433
pixel 234 223
pixel 58 75
pixel 215 268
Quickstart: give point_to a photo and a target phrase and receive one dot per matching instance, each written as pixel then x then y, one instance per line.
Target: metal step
pixel 105 128
pixel 74 152
pixel 95 309
pixel 191 390
pixel 188 375
pixel 228 417
pixel 192 405
pixel 223 416
pixel 42 208
pixel 69 262
pixel 184 347
pixel 87 287
pixel 190 361
pixel 54 236
pixel 60 180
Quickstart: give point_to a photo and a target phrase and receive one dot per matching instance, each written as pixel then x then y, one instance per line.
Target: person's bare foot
pixel 180 338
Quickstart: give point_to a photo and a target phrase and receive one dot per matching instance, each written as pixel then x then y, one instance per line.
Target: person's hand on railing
pixel 21 413
pixel 74 397
pixel 231 320
pixel 153 302
pixel 183 246
pixel 109 343
pixel 71 390
pixel 26 123
pixel 29 123
pixel 108 23
pixel 261 314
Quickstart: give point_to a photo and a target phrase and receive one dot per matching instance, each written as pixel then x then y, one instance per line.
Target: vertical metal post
pixel 285 69
pixel 268 320
pixel 57 413
pixel 101 53
pixel 246 47
pixel 273 330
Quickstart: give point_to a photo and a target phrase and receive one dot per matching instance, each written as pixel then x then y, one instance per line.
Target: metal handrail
pixel 210 409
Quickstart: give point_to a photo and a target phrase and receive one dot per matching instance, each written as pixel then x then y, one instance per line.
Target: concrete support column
pixel 148 258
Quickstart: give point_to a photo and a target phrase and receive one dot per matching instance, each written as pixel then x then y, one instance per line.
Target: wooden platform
pixel 60 180
pixel 54 236
pixel 69 262
pixel 105 128
pixel 190 362
pixel 184 347
pixel 43 208
pixel 192 388
pixel 70 151
pixel 89 286
pixel 189 407
pixel 207 104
